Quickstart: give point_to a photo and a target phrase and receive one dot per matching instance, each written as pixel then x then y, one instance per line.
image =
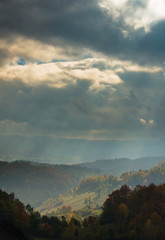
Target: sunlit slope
pixel 90 192
pixel 93 191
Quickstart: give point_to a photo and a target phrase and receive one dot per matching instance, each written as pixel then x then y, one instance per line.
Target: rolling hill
pixel 36 182
pixel 33 183
pixel 91 192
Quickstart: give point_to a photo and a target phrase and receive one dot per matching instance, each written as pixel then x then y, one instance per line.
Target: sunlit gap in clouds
pixel 136 13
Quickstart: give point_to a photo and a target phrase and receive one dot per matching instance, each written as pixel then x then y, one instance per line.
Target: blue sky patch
pixel 21 61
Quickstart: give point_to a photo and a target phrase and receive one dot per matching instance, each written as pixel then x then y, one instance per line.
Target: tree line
pixel 126 214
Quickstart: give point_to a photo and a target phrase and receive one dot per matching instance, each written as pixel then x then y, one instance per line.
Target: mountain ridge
pixel 119 165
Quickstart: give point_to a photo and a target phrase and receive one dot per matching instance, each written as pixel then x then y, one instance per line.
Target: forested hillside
pixel 34 183
pixel 126 215
pixel 91 192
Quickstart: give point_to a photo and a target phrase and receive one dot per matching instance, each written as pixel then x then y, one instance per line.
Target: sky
pixel 80 71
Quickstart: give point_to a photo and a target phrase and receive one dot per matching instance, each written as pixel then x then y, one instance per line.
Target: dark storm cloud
pixel 44 107
pixel 151 45
pixel 144 80
pixel 144 94
pixel 77 107
pixel 83 23
pixel 79 21
pixel 48 110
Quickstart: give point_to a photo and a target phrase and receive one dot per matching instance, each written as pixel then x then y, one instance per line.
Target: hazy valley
pixel 34 183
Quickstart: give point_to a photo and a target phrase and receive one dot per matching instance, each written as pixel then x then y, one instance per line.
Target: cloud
pixel 63 26
pixel 143 121
pixel 152 43
pixel 4 54
pixel 151 122
pixel 80 110
pixel 61 74
pixel 34 51
pixel 88 72
pixel 138 14
pixel 9 127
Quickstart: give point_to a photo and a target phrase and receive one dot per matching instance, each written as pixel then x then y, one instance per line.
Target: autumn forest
pixel 100 207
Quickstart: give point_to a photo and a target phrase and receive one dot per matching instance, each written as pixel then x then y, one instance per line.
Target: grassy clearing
pixel 89 195
pixel 76 201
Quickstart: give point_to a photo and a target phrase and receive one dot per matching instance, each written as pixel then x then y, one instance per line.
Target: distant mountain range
pixel 118 166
